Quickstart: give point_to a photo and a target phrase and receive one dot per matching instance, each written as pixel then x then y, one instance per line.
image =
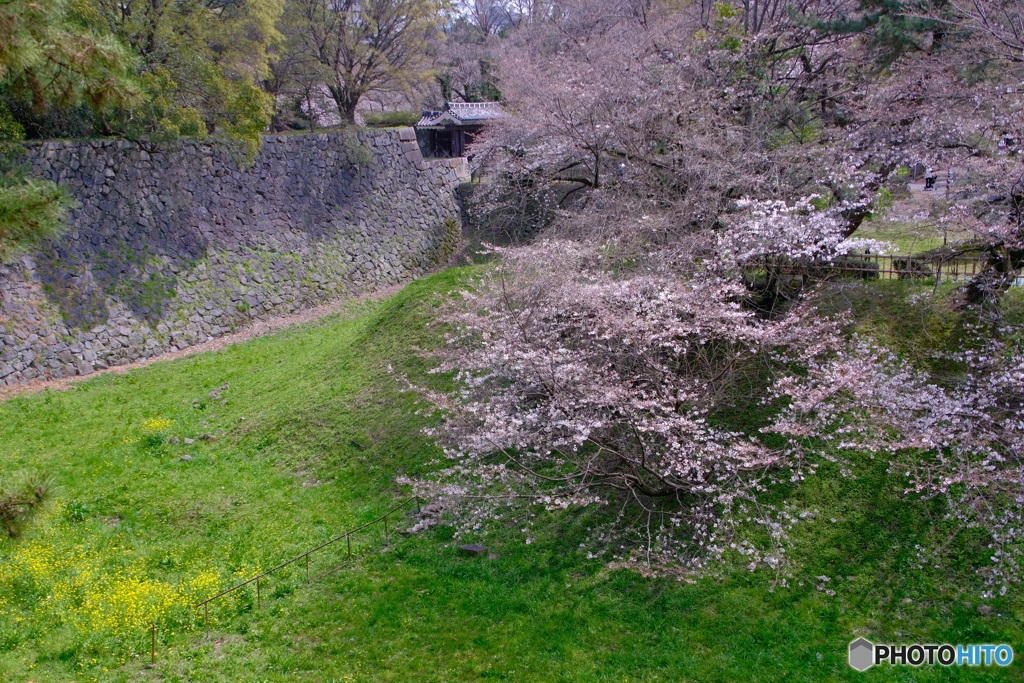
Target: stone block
pixel 299 219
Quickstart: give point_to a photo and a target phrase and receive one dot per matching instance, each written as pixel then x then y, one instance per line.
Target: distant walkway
pixel 259 329
pixel 941 182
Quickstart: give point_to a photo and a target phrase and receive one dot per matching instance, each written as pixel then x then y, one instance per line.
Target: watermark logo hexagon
pixel 862 654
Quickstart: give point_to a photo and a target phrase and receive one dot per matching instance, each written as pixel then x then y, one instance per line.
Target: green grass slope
pixel 308 440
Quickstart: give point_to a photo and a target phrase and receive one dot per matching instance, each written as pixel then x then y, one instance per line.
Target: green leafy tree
pixel 367 45
pixel 296 77
pixel 468 53
pixel 200 61
pixel 247 118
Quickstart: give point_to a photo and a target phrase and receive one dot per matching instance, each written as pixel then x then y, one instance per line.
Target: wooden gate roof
pixel 462 114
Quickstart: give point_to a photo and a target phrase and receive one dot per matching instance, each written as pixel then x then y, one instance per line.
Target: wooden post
pixel 259 597
pixel 385 528
pixel 307 568
pixel 206 617
pixel 152 651
pixel 349 539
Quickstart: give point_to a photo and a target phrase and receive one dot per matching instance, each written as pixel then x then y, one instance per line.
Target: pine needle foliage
pixel 19 497
pixel 31 211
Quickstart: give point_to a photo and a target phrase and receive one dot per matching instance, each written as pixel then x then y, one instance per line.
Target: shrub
pixel 389 119
pixel 19 497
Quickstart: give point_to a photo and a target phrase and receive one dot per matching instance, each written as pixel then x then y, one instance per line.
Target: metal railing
pixel 347 536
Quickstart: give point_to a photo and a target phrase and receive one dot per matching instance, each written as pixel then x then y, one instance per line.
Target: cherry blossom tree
pixel 659 154
pixel 579 389
pixel 963 443
pixel 676 113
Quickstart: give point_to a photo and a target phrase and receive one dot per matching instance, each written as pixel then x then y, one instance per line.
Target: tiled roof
pixel 476 111
pixel 463 112
pixel 427 117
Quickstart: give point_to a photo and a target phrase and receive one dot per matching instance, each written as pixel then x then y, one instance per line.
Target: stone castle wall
pixel 173 245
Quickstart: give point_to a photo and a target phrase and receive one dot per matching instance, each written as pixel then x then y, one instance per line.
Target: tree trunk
pixel 997 277
pixel 346 100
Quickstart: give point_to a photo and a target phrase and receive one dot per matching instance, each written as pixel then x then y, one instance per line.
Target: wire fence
pixel 303 557
pixel 879 267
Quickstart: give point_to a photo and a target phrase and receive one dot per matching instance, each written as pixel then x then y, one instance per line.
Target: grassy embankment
pixel 314 431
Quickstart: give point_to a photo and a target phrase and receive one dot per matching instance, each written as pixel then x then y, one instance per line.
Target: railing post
pixel 259 588
pixel 152 651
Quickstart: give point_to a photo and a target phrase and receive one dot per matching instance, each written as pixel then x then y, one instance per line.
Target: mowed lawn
pixel 306 441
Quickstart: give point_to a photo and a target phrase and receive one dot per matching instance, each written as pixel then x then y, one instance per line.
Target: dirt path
pixel 257 330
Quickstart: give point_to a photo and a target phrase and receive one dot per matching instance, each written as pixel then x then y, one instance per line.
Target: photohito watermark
pixel 864 654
